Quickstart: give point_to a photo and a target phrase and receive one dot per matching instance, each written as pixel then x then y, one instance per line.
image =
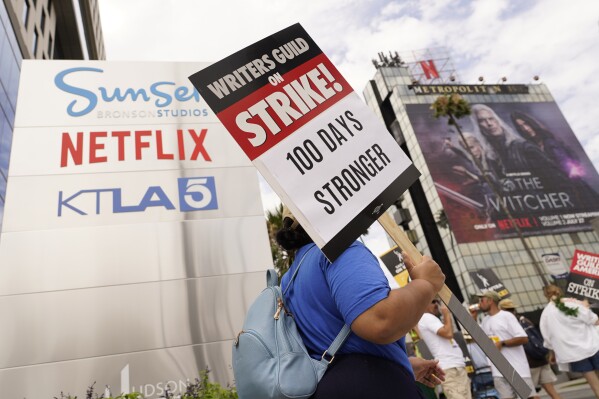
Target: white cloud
pixel 556 39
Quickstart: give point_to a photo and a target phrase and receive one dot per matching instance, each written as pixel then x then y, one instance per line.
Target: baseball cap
pixel 288 215
pixel 489 294
pixel 507 304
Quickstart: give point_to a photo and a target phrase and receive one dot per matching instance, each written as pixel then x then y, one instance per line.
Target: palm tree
pixel 455 107
pixel 441 219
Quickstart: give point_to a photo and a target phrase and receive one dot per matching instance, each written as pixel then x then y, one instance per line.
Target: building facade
pixel 127 256
pixel 40 29
pixel 467 230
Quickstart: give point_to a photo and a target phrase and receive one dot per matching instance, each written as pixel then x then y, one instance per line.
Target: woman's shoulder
pixel 357 249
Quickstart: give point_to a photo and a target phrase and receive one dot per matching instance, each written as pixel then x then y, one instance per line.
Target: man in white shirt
pixel 438 337
pixel 509 336
pixel 538 361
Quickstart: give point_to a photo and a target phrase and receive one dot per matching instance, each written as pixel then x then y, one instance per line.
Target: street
pixel 575 389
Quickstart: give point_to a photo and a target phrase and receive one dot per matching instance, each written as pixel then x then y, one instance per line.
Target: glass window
pixel 5 147
pixel 11 84
pixel 1 213
pixel 10 60
pixel 4 104
pixel 43 22
pixel 518 285
pixel 2 190
pixel 25 13
pixel 35 41
pixel 50 46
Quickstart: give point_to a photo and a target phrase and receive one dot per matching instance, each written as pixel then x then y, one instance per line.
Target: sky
pixel 556 40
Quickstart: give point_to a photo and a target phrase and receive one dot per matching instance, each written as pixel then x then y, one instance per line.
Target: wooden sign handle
pixel 402 240
pixel 460 313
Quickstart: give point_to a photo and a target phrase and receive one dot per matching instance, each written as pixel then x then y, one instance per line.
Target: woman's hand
pixel 427 372
pixel 427 270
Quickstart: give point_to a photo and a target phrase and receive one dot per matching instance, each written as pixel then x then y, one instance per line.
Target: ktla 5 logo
pixel 194 194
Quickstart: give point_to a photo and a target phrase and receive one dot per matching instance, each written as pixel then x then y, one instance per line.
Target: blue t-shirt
pixel 325 296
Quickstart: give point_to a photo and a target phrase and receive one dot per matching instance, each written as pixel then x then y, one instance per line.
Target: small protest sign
pixel 554 262
pixel 393 260
pixel 487 280
pixel 322 150
pixel 584 276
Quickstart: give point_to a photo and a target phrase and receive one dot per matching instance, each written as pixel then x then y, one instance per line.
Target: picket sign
pixel 459 311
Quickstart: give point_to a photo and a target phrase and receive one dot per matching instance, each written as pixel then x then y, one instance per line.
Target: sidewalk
pixel 578 384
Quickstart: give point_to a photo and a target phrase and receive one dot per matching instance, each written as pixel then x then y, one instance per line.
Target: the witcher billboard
pixel 514 159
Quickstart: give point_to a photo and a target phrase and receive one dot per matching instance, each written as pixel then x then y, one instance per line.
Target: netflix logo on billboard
pixel 429 69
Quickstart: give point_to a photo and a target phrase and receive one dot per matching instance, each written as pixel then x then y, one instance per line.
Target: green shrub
pixel 201 388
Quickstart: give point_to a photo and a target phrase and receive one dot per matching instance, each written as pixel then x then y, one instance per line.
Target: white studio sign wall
pixel 123 208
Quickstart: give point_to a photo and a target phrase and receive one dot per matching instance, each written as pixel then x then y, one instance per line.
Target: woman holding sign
pixel 353 290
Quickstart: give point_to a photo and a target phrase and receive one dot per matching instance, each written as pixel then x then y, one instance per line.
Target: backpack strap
pixel 272 279
pixel 297 268
pixel 329 354
pixel 337 343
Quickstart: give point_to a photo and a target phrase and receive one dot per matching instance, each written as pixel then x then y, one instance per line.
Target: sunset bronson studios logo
pixel 193 194
pixel 168 98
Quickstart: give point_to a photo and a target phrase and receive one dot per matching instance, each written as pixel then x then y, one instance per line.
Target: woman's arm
pixel 390 319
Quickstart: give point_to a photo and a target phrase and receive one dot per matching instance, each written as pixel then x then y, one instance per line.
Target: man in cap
pixel 438 337
pixel 509 336
pixel 536 354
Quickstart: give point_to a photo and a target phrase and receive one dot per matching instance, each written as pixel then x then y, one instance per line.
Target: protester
pixel 509 336
pixel 540 369
pixel 568 326
pixel 353 290
pixel 438 337
pixel 482 379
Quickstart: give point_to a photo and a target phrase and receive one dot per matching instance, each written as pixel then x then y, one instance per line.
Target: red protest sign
pixel 584 276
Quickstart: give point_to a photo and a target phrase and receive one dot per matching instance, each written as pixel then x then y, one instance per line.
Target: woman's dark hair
pixel 541 131
pixel 291 239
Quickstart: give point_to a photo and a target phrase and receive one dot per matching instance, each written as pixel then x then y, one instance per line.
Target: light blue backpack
pixel 270 360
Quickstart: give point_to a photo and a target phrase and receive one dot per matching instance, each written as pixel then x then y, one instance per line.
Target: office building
pixel 40 29
pixel 466 219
